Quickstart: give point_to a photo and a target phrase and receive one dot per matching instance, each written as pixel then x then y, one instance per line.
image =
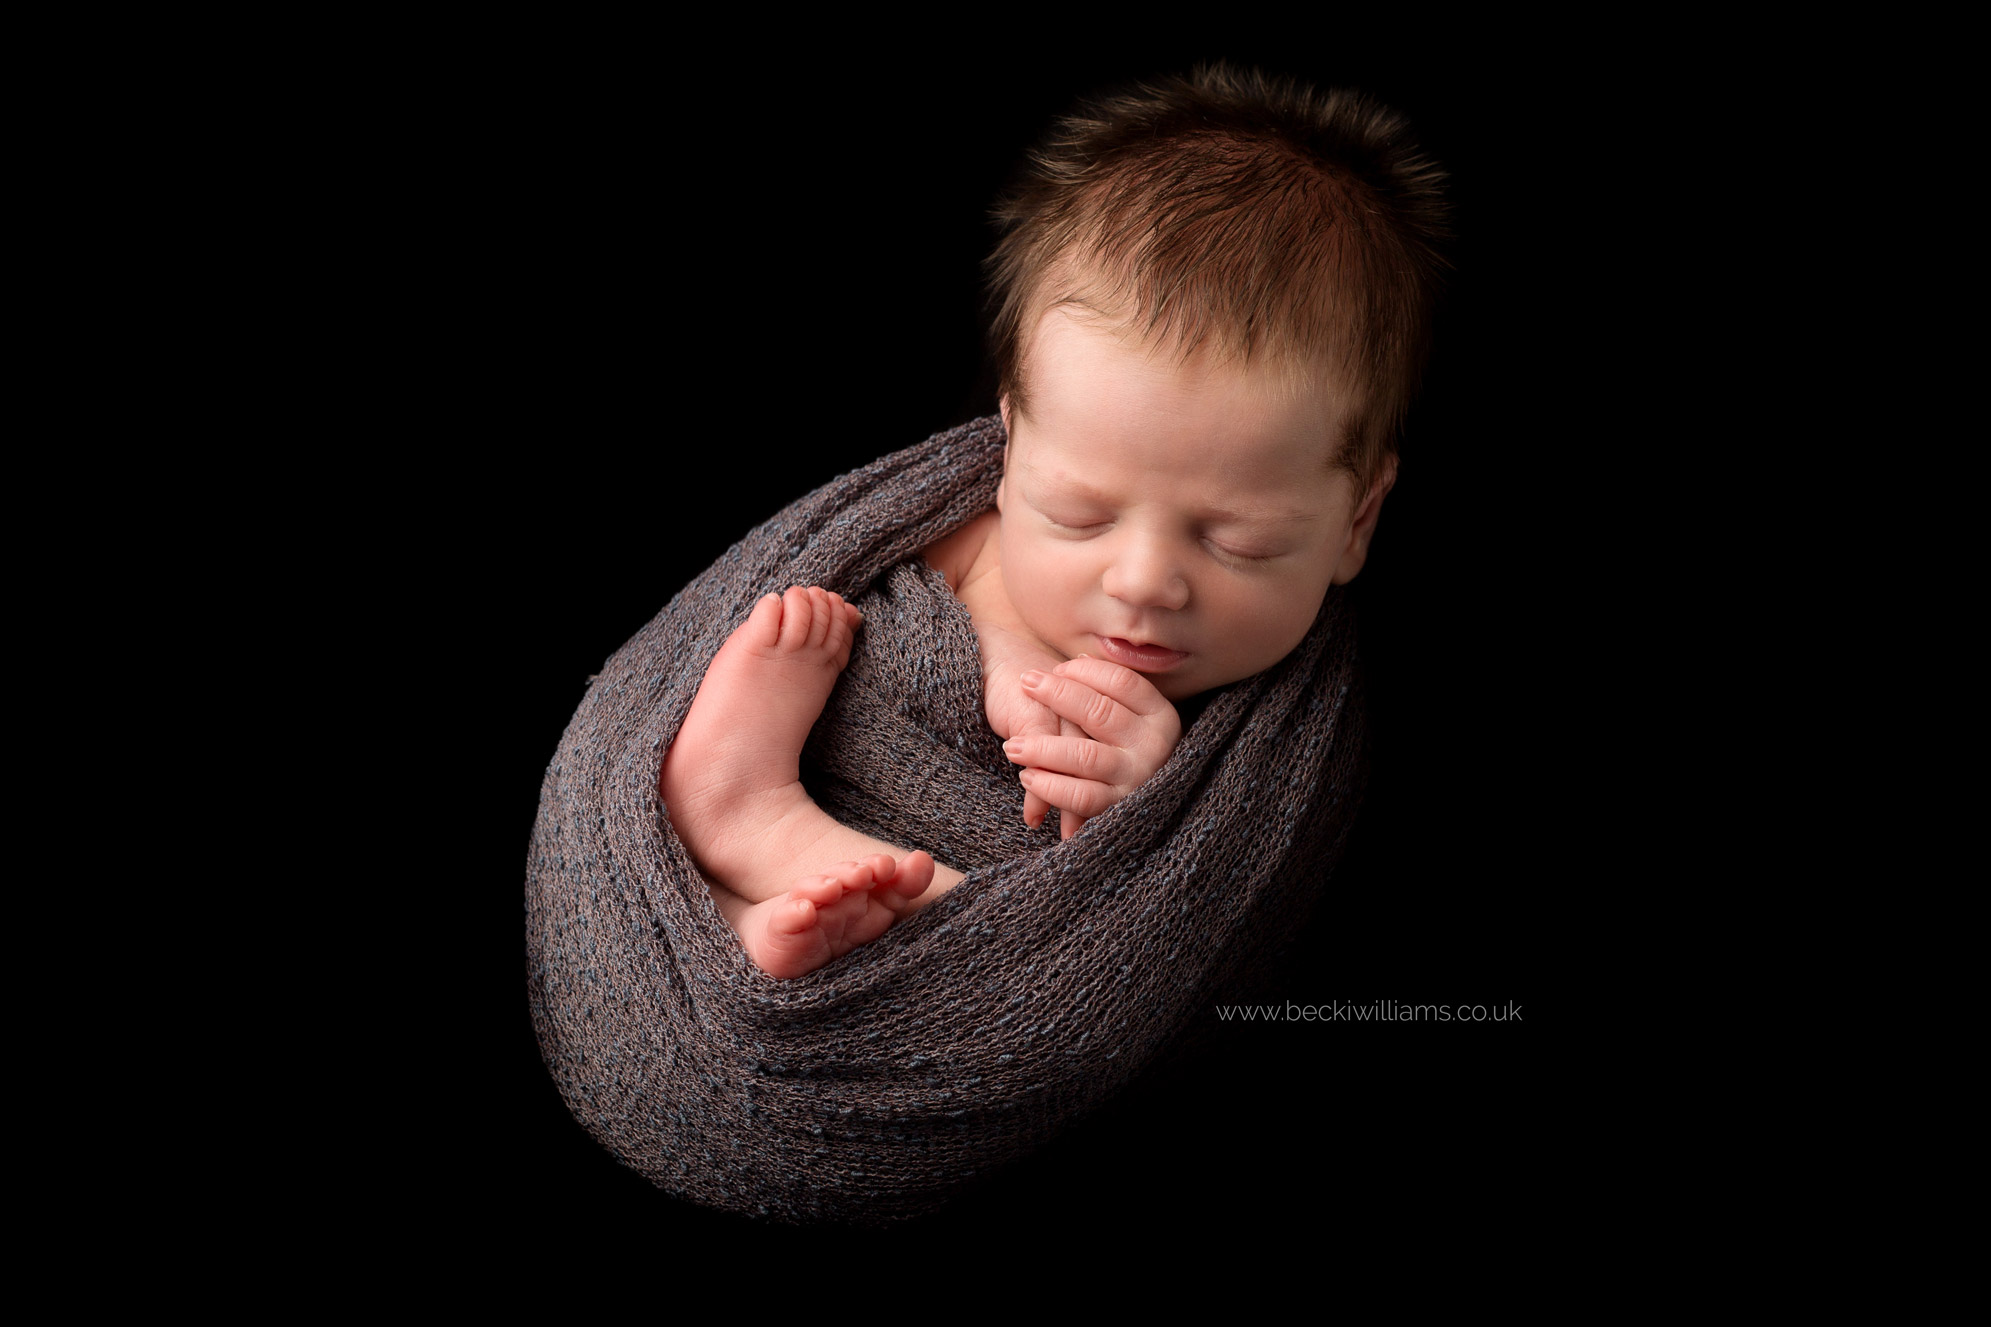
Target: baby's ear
pixel 1363 528
pixel 1002 404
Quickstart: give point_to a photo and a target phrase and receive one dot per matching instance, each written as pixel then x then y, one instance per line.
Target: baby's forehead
pixel 1129 354
pixel 1092 382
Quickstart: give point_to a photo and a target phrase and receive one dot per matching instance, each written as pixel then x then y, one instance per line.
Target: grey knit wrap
pixel 972 1031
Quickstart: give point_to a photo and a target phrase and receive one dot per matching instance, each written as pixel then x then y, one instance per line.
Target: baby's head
pixel 1211 306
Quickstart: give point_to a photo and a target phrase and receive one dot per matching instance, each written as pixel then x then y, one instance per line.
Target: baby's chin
pixel 1179 689
pixel 1178 684
pixel 1190 681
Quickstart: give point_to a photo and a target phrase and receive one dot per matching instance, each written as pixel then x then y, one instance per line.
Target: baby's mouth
pixel 1139 657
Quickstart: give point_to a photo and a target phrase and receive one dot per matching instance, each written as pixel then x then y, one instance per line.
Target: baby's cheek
pixel 1041 602
pixel 1275 631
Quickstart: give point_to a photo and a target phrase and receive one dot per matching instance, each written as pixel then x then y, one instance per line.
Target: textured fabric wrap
pixel 875 1087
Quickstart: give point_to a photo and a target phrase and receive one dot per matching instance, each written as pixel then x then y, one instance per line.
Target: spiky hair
pixel 1248 214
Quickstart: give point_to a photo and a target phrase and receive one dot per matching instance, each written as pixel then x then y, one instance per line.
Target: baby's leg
pixel 826 916
pixel 732 781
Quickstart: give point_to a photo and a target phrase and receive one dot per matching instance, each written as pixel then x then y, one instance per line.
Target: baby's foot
pixel 732 779
pixel 827 916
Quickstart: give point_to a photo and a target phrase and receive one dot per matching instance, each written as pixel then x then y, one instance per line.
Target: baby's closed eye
pixel 1235 553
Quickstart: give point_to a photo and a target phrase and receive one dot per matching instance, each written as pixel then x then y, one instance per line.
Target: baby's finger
pixel 1035 809
pixel 1069 824
pixel 1034 719
pixel 1080 757
pixel 1067 793
pixel 1099 715
pixel 1123 684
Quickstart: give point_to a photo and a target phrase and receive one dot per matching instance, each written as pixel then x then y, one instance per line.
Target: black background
pixel 650 297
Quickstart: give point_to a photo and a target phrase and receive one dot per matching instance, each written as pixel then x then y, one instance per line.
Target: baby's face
pixel 1182 519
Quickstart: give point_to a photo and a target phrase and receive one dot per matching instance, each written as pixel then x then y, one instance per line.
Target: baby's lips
pixel 1145 658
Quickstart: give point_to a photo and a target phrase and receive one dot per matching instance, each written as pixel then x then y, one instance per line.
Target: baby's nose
pixel 1146 576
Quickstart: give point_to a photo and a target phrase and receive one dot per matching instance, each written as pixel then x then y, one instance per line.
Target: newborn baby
pixel 1212 303
pixel 1165 525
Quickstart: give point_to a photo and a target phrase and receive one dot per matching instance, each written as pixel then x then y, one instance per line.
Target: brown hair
pixel 1246 211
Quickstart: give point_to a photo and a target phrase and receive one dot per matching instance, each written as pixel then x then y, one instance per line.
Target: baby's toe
pixel 821 890
pixel 912 876
pixel 763 625
pixel 791 916
pixel 821 614
pixel 854 875
pixel 797 615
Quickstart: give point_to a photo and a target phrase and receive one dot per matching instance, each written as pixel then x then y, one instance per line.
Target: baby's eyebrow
pixel 1066 488
pixel 1079 491
pixel 1265 516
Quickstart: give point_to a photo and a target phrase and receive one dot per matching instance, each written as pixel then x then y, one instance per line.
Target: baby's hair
pixel 1247 212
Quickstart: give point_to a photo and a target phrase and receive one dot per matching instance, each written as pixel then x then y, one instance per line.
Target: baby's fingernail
pixel 1012 746
pixel 1033 678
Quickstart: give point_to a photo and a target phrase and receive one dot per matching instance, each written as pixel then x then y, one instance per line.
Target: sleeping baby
pixel 1211 305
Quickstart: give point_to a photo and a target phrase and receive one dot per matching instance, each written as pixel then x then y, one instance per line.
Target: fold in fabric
pixel 974 1030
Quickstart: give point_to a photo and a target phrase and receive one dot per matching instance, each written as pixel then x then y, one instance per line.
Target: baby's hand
pixel 1005 656
pixel 1030 719
pixel 1125 731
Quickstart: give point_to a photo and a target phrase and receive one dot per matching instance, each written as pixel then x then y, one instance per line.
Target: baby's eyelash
pixel 1223 553
pixel 1242 557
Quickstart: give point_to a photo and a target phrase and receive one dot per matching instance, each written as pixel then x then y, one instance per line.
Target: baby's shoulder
pixel 956 556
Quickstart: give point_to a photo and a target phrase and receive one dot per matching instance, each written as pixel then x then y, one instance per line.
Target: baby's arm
pixel 1117 731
